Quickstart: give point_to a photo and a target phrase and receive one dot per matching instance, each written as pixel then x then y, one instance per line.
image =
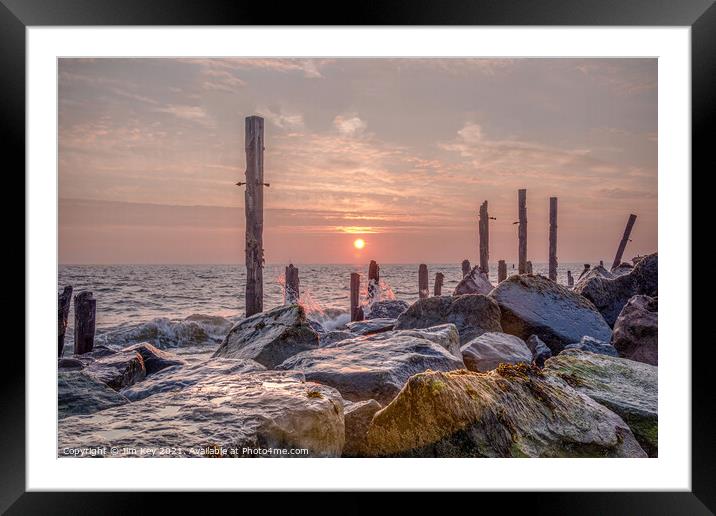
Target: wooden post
pixel 585 271
pixel 570 279
pixel 484 231
pixel 522 230
pixel 465 268
pixel 356 309
pixel 601 263
pixel 439 279
pixel 528 268
pixel 373 282
pixel 552 239
pixel 291 289
pixel 85 312
pixel 63 310
pixel 423 291
pixel 501 271
pixel 254 205
pixel 625 239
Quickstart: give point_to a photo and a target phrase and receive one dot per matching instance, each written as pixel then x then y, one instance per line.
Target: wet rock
pixel 474 283
pixel 317 327
pixel 370 326
pixel 596 272
pixel 118 370
pixel 540 351
pixel 626 387
pixel 513 411
pixel 636 331
pixel 388 309
pixel 270 337
pixel 610 295
pixel 487 351
pixel 593 345
pixel 357 417
pixel 335 336
pixel 534 305
pixel 375 367
pixel 70 363
pixel 472 314
pixel 79 393
pixel 234 412
pixel 155 359
pixel 622 268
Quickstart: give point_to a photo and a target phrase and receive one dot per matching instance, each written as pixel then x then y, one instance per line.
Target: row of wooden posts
pixel 85 315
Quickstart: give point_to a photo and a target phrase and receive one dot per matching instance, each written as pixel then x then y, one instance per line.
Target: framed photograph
pixel 411 251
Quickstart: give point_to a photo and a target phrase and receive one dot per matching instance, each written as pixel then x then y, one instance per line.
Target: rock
pixel 487 351
pixel 388 309
pixel 513 411
pixel 610 295
pixel 335 336
pixel 270 337
pixel 155 359
pixel 636 330
pixel 370 326
pixel 622 268
pixel 474 283
pixel 596 272
pixel 472 314
pixel 177 377
pixel 79 393
pixel 374 367
pixel 593 345
pixel 235 413
pixel 535 305
pixel 317 327
pixel 357 417
pixel 626 387
pixel 118 370
pixel 540 351
pixel 70 363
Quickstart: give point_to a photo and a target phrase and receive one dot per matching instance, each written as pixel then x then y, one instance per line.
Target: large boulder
pixel 491 349
pixel 513 411
pixel 358 417
pixel 472 314
pixel 626 387
pixel 118 370
pixel 535 305
pixel 155 359
pixel 474 283
pixel 593 345
pixel 540 351
pixel 79 393
pixel 232 415
pixel 636 330
pixel 270 337
pixel 387 309
pixel 334 336
pixel 374 367
pixel 370 326
pixel 610 295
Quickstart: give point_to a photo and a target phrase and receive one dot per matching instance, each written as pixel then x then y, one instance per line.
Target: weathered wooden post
pixel 522 230
pixel 465 268
pixel 63 311
pixel 439 279
pixel 528 268
pixel 373 282
pixel 625 239
pixel 484 233
pixel 584 271
pixel 552 273
pixel 501 271
pixel 85 313
pixel 291 289
pixel 423 291
pixel 356 309
pixel 570 279
pixel 601 263
pixel 254 206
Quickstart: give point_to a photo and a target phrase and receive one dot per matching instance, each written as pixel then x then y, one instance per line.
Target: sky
pixel 398 152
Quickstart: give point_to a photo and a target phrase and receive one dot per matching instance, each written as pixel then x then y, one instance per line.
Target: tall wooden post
pixel 291 289
pixel 439 279
pixel 501 271
pixel 625 239
pixel 85 313
pixel 522 230
pixel 356 309
pixel 465 268
pixel 63 311
pixel 373 282
pixel 423 291
pixel 254 205
pixel 570 279
pixel 552 238
pixel 484 231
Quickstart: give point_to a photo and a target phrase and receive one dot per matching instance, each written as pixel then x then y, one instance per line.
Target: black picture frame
pixel 700 15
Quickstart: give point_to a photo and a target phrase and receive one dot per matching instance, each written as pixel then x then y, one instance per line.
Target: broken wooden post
pixel 528 267
pixel 291 290
pixel 552 272
pixel 254 206
pixel 522 230
pixel 570 279
pixel 601 263
pixel 465 268
pixel 625 239
pixel 373 282
pixel 63 310
pixel 439 279
pixel 585 271
pixel 423 291
pixel 484 234
pixel 501 271
pixel 356 309
pixel 85 312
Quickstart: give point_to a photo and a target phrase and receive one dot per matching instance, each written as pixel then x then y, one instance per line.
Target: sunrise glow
pixel 359 243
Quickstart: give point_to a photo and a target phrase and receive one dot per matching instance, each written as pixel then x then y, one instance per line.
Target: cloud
pixel 192 113
pixel 349 125
pixel 281 119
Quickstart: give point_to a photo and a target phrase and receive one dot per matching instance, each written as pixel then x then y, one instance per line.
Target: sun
pixel 359 243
